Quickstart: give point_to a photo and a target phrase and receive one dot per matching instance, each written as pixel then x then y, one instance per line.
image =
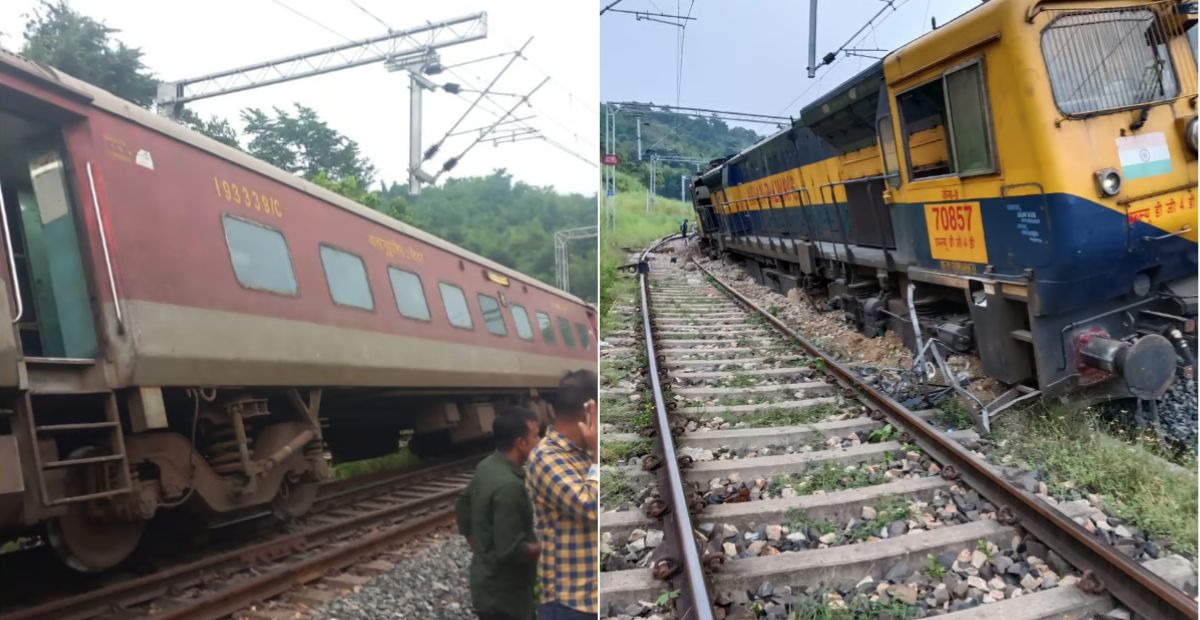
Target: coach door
pixel 51 306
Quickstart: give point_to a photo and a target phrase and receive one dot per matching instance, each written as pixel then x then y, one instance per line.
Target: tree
pixel 304 144
pixel 80 46
pixel 391 205
pixel 216 128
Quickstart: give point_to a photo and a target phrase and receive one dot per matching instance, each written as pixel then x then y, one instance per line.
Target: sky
pixel 368 104
pixel 749 55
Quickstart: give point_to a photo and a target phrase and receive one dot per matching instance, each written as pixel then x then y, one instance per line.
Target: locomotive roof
pixel 109 102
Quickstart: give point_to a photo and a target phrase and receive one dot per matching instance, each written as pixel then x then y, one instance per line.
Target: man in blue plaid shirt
pixel 563 480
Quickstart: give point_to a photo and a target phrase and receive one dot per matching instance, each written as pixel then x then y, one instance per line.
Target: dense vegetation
pixel 668 133
pixel 509 222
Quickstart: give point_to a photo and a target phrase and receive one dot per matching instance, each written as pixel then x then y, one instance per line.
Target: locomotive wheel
pixel 294 499
pixel 86 544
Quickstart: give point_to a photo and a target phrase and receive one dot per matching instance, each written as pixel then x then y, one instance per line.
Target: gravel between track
pixel 431 583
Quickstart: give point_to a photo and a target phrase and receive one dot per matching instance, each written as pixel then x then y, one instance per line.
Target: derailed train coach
pixel 1020 183
pixel 193 328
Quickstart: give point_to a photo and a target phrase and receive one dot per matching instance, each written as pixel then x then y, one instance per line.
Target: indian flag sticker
pixel 1144 156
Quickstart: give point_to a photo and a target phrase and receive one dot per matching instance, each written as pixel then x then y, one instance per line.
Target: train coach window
pixel 410 295
pixel 521 320
pixel 347 279
pixel 584 340
pixel 260 256
pixel 564 330
pixel 492 315
pixel 945 125
pixel 546 326
pixel 455 302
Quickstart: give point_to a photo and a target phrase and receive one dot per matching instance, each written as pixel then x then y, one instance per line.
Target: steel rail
pixel 1142 591
pixel 145 588
pixel 696 602
pixel 226 602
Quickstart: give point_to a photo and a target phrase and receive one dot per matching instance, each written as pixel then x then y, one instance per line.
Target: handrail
pixel 112 281
pixel 12 260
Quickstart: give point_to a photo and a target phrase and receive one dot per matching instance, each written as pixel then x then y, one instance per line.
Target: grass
pixel 954 414
pixel 1076 451
pixel 635 229
pixel 860 607
pixel 827 476
pixel 616 490
pixel 886 511
pixel 612 451
pixel 786 417
pixel 398 460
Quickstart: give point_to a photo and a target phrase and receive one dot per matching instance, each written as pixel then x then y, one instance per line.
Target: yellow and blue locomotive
pixel 1019 184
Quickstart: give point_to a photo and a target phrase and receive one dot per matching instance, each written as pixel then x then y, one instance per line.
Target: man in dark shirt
pixel 495 515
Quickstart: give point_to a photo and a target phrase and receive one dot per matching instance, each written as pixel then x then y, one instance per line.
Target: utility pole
pixel 610 169
pixel 562 271
pixel 399 49
pixel 812 39
pixel 638 118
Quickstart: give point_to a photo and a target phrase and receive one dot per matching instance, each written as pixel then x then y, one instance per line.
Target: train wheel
pixel 88 544
pixel 294 499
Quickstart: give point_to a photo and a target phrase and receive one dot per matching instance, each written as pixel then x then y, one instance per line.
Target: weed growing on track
pixel 1076 452
pixel 827 476
pixel 398 460
pixel 860 607
pixel 954 414
pixel 789 417
pixel 613 451
pixel 616 490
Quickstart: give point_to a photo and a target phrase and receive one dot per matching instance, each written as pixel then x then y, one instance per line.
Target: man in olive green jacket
pixel 495 515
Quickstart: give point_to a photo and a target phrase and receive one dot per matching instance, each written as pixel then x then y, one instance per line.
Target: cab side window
pixel 945 127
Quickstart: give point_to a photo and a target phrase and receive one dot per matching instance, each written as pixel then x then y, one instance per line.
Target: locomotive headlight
pixel 1108 181
pixel 1191 134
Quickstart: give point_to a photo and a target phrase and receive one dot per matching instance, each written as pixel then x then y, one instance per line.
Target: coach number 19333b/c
pixel 1018 184
pixel 193 328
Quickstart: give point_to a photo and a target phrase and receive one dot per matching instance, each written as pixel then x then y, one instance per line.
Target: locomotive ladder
pixel 112 469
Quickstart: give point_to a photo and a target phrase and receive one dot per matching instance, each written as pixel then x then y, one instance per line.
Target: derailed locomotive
pixel 1020 183
pixel 191 327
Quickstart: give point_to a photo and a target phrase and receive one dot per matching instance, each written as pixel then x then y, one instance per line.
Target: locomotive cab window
pixel 457 310
pixel 492 317
pixel 945 125
pixel 347 279
pixel 564 329
pixel 410 295
pixel 584 340
pixel 1108 59
pixel 521 320
pixel 260 256
pixel 546 327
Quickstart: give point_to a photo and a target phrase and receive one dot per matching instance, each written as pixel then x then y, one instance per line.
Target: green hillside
pixel 668 133
pixel 635 229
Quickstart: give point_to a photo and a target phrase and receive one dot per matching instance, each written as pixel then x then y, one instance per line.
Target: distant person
pixel 683 229
pixel 563 481
pixel 495 515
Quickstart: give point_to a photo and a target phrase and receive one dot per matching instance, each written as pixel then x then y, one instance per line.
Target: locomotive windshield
pixel 1104 60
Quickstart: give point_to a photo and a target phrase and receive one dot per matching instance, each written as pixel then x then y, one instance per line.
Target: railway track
pixel 353 520
pixel 794 487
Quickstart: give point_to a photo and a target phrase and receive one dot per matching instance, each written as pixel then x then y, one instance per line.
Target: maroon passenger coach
pixel 193 327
